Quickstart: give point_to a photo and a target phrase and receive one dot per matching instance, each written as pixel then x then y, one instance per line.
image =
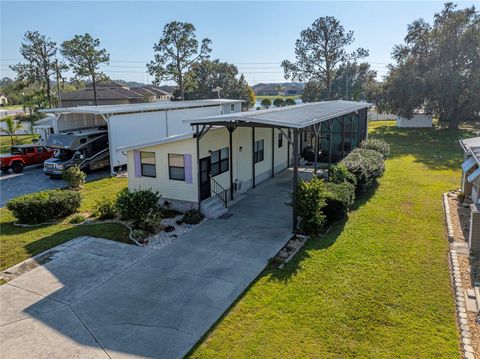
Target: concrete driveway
pixel 32 179
pixel 106 299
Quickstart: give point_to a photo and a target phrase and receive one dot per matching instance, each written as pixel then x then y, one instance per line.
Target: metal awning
pixel 468 163
pixel 474 175
pixel 297 116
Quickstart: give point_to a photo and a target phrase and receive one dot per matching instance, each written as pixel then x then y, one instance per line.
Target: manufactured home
pixel 231 153
pixel 131 124
pixel 470 188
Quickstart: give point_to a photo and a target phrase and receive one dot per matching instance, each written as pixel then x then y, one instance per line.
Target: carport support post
pixel 330 127
pixel 288 149
pixel 199 195
pixel 295 177
pixel 253 157
pixel 273 152
pixel 230 139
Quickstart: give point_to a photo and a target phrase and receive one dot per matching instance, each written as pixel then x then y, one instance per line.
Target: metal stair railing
pixel 219 191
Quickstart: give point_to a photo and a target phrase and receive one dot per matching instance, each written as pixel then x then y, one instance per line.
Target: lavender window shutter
pixel 187 162
pixel 137 163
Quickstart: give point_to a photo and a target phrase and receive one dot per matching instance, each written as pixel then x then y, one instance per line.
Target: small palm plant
pixel 11 127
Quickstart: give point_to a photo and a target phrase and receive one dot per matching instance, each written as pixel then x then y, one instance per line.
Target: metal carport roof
pixel 139 107
pixel 297 116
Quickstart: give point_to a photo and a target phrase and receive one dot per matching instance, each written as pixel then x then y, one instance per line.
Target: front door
pixel 205 191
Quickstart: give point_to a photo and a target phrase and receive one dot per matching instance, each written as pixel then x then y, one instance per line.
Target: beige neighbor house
pixel 3 100
pixel 471 187
pixel 229 154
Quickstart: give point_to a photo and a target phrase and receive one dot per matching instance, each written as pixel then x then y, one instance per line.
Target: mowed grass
pixel 376 286
pixel 19 243
pixel 5 141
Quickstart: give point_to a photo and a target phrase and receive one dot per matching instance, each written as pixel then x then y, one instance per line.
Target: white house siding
pixel 136 128
pixel 182 194
pixel 76 121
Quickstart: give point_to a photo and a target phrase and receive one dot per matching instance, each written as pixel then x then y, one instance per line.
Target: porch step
pixel 213 207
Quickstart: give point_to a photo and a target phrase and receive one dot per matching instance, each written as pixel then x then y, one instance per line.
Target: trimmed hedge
pixel 137 206
pixel 339 199
pixel 339 173
pixel 378 145
pixel 192 216
pixel 366 165
pixel 46 206
pixel 310 201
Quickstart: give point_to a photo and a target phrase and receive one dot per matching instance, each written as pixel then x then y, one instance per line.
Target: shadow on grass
pixel 430 146
pixel 52 237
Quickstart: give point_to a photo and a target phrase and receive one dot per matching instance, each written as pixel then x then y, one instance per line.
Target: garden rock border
pixel 460 300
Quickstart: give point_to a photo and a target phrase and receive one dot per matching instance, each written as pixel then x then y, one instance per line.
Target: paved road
pixel 102 299
pixel 32 179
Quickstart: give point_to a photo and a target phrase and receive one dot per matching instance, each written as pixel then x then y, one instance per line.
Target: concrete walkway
pixel 103 299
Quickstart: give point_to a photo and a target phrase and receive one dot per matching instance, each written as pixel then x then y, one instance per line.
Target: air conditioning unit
pixel 238 185
pixel 474 236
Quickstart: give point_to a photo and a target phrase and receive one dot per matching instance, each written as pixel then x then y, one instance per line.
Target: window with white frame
pixel 232 107
pixel 258 153
pixel 147 161
pixel 219 161
pixel 176 167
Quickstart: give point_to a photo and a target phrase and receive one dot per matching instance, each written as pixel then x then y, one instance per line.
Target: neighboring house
pixel 278 89
pixel 113 93
pixel 471 187
pixel 228 154
pixel 130 124
pixel 3 100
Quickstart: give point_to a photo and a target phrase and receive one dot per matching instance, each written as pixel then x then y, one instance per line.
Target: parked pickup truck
pixel 24 155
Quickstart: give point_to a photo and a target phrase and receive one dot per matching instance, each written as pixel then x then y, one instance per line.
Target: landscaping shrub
pixel 378 145
pixel 266 102
pixel 366 165
pixel 310 201
pixel 339 200
pixel 137 206
pixel 339 173
pixel 278 102
pixel 192 216
pixel 44 206
pixel 74 177
pixel 77 219
pixel 290 102
pixel 105 209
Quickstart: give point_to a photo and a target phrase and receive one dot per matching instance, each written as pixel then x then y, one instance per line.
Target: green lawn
pixel 5 141
pixel 18 243
pixel 12 107
pixel 376 286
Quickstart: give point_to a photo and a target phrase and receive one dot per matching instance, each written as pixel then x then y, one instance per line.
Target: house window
pixel 258 151
pixel 147 161
pixel 280 140
pixel 232 107
pixel 219 161
pixel 176 167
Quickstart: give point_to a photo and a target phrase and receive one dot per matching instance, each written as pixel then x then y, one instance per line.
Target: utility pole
pixel 59 98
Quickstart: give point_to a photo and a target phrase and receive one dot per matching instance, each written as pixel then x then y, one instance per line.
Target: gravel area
pixel 469 265
pixel 163 238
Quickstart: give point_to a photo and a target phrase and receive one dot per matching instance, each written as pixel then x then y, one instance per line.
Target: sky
pixel 256 36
